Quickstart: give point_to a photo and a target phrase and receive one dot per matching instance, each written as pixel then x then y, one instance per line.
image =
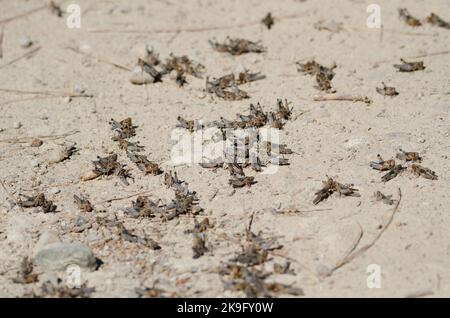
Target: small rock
pixel 36 142
pixel 25 42
pixel 34 163
pixel 67 100
pixel 85 48
pixel 79 89
pixel 58 256
pixel 55 191
pixel 353 143
pixel 80 221
pixel 17 125
pixel 139 77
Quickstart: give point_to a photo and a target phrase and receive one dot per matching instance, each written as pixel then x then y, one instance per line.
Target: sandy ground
pixel 337 139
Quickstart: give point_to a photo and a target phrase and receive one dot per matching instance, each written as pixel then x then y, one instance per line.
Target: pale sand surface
pixel 337 139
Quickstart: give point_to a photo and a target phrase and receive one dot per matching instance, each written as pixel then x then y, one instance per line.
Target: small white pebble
pixel 78 89
pixel 67 100
pixel 34 163
pixel 17 125
pixel 55 191
pixel 25 42
pixel 86 48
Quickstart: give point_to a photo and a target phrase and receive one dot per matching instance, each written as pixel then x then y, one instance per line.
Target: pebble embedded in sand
pixel 55 191
pixel 58 256
pixel 139 77
pixel 86 48
pixel 25 42
pixel 36 142
pixel 17 125
pixel 34 163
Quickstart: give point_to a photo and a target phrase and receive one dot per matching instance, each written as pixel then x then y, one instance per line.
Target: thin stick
pixel 10 195
pixel 2 31
pixel 415 56
pixel 124 198
pixel 48 137
pixel 22 15
pixel 336 97
pixel 49 93
pixel 28 54
pixel 193 30
pixel 353 254
pixel 26 99
pixel 120 66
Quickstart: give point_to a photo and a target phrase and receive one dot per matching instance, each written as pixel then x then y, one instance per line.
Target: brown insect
pixel 126 235
pixel 26 275
pixel 386 90
pixel 237 46
pixel 418 170
pixel 144 207
pixel 55 9
pixel 409 156
pixel 144 164
pixel 124 129
pixel 382 165
pixel 198 245
pixel 323 74
pixel 330 186
pixel 409 66
pixel 408 19
pixel 110 166
pixel 83 204
pixel 239 182
pixel 434 19
pixel 392 173
pixel 268 21
pixel 186 124
pixel 151 70
pixel 38 200
pixel 387 199
pixel 183 65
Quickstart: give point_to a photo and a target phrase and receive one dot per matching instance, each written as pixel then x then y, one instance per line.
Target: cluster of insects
pixel 323 74
pixel 150 69
pixel 249 150
pixel 410 159
pixel 242 273
pixel 432 19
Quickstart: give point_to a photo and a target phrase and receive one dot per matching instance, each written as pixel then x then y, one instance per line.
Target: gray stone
pixel 58 256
